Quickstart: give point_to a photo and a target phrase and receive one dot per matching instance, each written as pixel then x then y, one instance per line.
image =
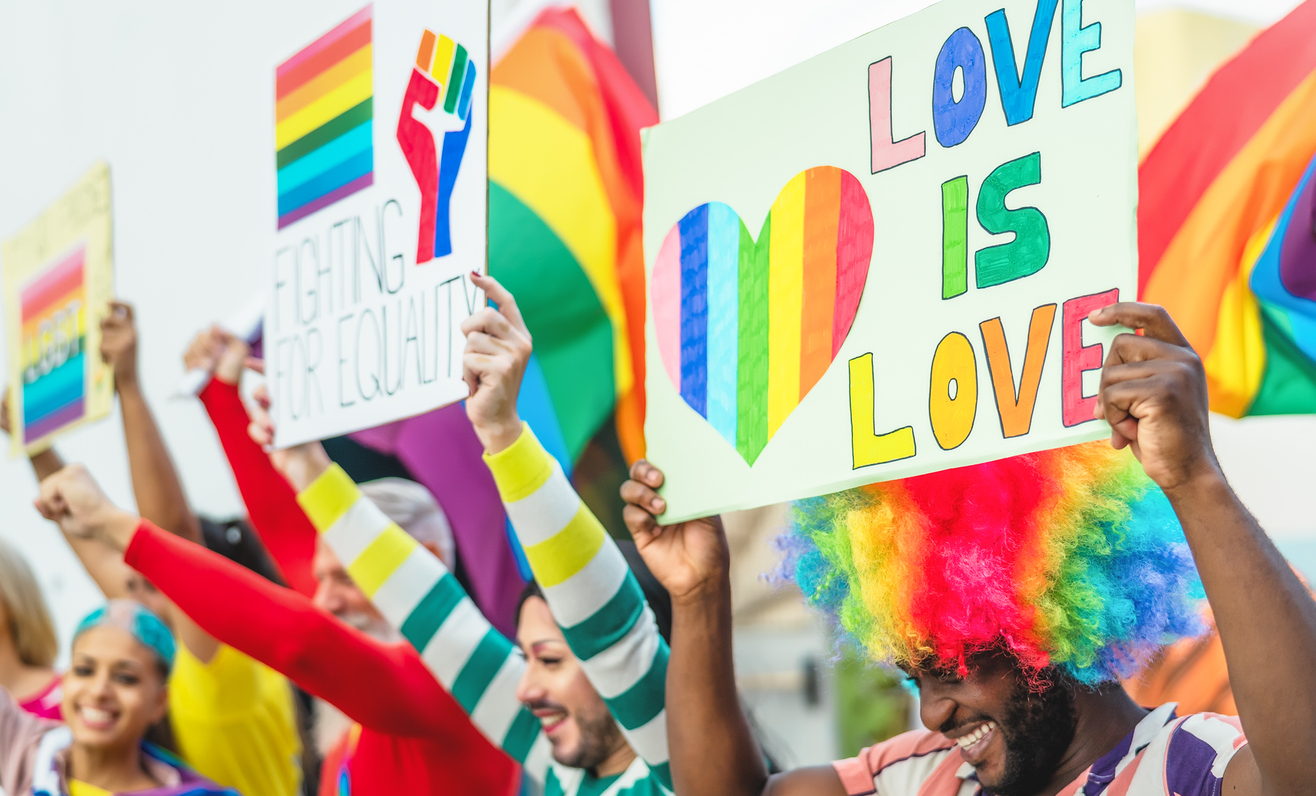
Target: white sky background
pixel 706 49
pixel 167 92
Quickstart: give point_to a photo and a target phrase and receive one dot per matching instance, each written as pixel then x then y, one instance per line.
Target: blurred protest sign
pixel 381 128
pixel 59 280
pixel 878 263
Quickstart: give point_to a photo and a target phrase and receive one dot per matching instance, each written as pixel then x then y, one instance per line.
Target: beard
pixel 1037 730
pixel 599 738
pixel 372 626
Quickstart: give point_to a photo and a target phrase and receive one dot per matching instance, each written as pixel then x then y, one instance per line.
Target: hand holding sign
pixel 497 352
pixel 688 558
pixel 300 464
pixel 1153 393
pixel 119 343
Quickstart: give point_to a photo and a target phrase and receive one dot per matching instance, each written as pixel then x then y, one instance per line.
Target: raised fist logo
pixel 444 79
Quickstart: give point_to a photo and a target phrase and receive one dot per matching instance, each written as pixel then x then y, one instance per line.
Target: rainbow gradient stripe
pixel 1069 557
pixel 746 329
pixel 1223 220
pixel 566 189
pixel 54 311
pixel 324 111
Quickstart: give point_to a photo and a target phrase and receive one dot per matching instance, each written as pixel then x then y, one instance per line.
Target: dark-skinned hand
pixel 1153 394
pixel 688 558
pixel 119 343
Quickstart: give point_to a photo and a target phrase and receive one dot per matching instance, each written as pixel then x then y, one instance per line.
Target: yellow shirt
pixel 235 723
pixel 79 788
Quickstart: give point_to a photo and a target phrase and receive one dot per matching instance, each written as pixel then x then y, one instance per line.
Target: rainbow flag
pixel 54 310
pixel 565 192
pixel 323 120
pixel 1225 223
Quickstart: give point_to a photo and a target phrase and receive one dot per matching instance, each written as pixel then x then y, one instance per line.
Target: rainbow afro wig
pixel 1068 558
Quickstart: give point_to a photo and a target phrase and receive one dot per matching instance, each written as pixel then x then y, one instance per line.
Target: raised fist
pixel 219 353
pixel 442 81
pixel 72 499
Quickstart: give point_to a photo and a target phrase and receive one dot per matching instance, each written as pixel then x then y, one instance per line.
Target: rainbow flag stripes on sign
pixel 324 109
pixel 746 328
pixel 54 339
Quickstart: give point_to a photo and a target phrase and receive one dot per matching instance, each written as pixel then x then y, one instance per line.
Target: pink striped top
pixel 1165 755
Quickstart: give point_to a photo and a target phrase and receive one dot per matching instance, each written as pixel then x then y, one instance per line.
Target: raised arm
pixel 271 502
pixel 1153 393
pixel 713 750
pixel 44 462
pixel 103 564
pixel 419 596
pixel 585 579
pixel 380 685
pixel 156 485
pixel 373 683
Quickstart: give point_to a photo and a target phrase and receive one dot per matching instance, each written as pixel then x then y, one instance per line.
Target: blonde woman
pixel 27 639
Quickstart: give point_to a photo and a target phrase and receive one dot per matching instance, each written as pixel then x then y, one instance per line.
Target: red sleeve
pixel 385 687
pixel 270 499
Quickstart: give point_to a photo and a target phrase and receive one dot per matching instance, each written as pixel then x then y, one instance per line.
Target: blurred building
pixel 1174 51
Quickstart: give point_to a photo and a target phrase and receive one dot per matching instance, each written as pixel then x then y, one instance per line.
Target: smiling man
pixel 575 719
pixel 582 704
pixel 1015 594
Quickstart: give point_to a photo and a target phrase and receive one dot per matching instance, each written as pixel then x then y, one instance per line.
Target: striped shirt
pixel 1165 755
pixel 591 591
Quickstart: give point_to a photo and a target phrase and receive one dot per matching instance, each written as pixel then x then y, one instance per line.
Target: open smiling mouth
pixel 974 743
pixel 97 719
pixel 551 721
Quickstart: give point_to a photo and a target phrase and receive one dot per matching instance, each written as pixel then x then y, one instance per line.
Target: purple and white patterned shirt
pixel 1165 755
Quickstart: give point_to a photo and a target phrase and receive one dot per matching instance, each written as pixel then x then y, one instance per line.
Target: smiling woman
pixel 115 691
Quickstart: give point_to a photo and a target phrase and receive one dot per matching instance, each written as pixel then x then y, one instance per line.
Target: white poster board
pixel 381 127
pixel 878 263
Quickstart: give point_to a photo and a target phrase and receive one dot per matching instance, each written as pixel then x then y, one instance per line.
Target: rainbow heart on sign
pixel 745 329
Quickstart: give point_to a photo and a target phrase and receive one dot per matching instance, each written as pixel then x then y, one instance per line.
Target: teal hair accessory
pixel 135 618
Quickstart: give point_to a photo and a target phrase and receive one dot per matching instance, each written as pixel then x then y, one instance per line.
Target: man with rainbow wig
pixel 1015 595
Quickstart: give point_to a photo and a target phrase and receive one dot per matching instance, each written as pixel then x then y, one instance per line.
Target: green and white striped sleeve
pixel 592 593
pixel 419 596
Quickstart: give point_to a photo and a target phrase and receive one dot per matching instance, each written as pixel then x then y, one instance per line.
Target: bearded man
pixel 1015 594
